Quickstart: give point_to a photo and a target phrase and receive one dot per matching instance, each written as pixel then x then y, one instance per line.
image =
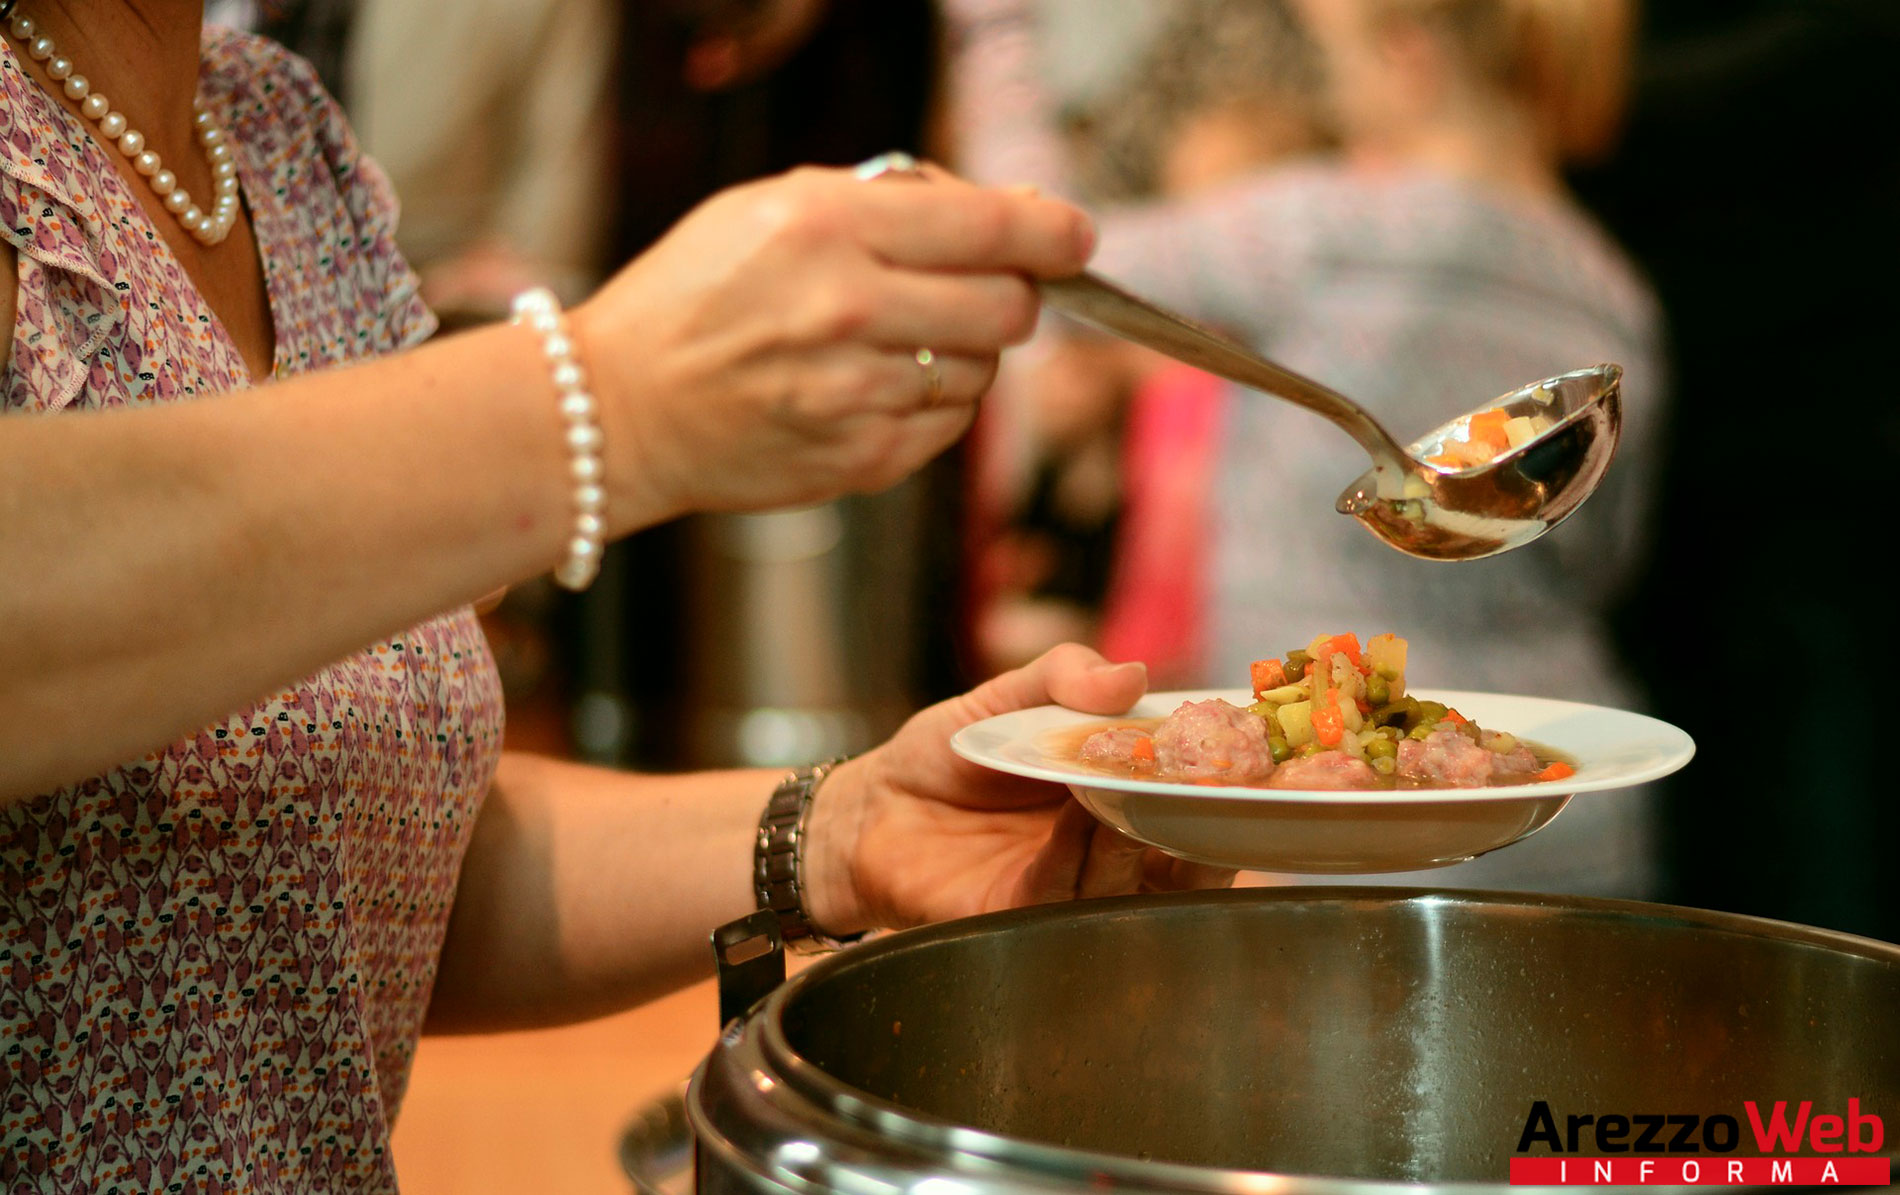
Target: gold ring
pixel 933 377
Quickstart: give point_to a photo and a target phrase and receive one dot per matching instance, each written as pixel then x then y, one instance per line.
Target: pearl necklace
pixel 208 227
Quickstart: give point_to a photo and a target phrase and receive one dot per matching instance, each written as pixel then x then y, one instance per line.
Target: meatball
pixel 1125 749
pixel 1446 758
pixel 1213 742
pixel 1329 771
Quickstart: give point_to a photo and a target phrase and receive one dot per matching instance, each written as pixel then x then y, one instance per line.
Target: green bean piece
pixel 1296 662
pixel 1281 752
pixel 1422 731
pixel 1400 712
pixel 1433 710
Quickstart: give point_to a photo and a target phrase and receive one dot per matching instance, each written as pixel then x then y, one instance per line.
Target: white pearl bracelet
pixel 580 416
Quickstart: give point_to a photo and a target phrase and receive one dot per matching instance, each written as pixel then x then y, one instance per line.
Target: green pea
pixel 1381 748
pixel 1378 691
pixel 1281 752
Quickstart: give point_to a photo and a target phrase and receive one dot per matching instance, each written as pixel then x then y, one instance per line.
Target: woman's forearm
pixel 586 891
pixel 161 568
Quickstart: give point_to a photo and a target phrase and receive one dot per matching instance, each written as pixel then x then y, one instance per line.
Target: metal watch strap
pixel 779 854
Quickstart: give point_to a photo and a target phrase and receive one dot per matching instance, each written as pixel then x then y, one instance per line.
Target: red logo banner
pixel 1629 1171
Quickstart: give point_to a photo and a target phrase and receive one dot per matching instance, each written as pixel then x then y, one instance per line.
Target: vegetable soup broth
pixel 1331 716
pixel 1065 745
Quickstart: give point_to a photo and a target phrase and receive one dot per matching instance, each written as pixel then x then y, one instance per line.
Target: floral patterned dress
pixel 215 960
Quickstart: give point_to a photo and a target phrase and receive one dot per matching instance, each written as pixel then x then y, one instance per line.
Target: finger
pixel 949 224
pixel 1164 873
pixel 1056 871
pixel 1114 864
pixel 922 435
pixel 854 380
pixel 1070 675
pixel 953 313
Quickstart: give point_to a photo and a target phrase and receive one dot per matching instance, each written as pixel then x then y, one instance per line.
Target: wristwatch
pixel 778 860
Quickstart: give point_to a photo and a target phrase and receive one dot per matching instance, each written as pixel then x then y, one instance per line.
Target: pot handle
pixel 748 968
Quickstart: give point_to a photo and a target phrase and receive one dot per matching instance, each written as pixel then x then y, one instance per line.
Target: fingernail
pixel 1085 237
pixel 1030 190
pixel 1126 667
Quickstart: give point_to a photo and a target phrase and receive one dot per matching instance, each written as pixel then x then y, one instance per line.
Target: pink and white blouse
pixel 215 959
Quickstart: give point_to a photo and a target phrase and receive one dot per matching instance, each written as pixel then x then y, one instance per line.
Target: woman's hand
pixel 912 833
pixel 765 352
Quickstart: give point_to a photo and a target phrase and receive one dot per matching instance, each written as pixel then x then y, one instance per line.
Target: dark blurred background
pixel 1758 182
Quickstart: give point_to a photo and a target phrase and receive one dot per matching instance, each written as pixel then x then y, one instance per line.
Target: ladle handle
pixel 1095 300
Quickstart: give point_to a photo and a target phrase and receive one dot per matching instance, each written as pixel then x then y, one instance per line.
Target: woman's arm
pixel 162 567
pixel 586 891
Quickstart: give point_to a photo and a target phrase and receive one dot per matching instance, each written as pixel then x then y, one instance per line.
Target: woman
pixel 218 955
pixel 1432 263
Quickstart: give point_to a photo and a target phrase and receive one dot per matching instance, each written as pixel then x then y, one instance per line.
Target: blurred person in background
pixel 1092 507
pixel 491 119
pixel 256 824
pixel 1435 261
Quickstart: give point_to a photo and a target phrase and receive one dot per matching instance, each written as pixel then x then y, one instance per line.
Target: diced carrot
pixel 1557 771
pixel 1144 749
pixel 1268 674
pixel 1455 718
pixel 1445 460
pixel 1487 428
pixel 1365 707
pixel 1329 725
pixel 1346 645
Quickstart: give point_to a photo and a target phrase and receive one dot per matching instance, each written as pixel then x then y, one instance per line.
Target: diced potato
pixel 1296 720
pixel 1519 431
pixel 1386 654
pixel 1349 710
pixel 1344 676
pixel 1284 694
pixel 1350 743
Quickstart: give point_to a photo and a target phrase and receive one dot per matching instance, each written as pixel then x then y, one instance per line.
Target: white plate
pixel 1341 832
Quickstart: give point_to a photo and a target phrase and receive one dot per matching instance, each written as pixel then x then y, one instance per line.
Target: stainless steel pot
pixel 1296 1040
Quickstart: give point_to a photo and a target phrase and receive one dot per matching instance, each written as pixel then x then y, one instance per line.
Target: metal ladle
pixel 1421 509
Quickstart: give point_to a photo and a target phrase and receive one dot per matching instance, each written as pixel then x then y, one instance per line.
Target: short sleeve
pixel 341 199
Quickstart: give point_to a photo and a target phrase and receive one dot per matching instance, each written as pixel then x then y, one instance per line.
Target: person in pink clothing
pixel 256 829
